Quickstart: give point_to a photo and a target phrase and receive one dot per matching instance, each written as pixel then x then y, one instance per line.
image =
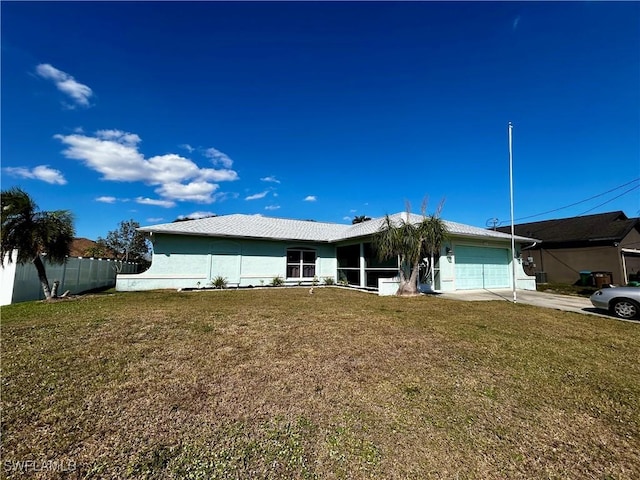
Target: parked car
pixel 623 302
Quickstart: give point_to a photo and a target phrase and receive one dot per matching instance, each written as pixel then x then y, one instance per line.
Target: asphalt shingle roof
pixel 610 226
pixel 258 226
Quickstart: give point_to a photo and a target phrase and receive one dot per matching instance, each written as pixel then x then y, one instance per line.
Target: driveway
pixel 540 299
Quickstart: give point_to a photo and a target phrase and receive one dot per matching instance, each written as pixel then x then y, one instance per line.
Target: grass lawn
pixel 277 383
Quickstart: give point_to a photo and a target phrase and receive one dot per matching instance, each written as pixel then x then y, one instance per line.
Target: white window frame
pixel 301 264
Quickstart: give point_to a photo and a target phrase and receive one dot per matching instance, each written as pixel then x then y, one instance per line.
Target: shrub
pixel 219 282
pixel 329 281
pixel 277 281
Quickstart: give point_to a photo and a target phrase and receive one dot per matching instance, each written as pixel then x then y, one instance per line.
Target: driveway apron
pixel 540 299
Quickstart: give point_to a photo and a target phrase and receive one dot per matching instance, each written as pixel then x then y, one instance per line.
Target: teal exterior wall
pixel 181 261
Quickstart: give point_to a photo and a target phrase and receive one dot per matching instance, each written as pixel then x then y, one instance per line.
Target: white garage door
pixel 482 267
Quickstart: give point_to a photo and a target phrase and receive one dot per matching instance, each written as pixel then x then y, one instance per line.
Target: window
pixel 301 263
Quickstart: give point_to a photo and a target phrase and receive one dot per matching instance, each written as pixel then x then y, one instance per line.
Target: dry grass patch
pixel 277 383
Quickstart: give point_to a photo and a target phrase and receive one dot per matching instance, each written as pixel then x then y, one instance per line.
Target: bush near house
pixel 277 383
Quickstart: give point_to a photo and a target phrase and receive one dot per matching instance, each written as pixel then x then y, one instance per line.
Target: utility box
pixel 602 278
pixel 541 277
pixel 388 286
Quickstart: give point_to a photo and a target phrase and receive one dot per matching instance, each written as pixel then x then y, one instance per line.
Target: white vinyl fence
pixel 20 283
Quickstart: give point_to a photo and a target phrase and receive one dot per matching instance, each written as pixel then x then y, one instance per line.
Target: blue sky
pixel 322 110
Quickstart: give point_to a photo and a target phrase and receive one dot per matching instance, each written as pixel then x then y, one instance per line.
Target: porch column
pixel 363 280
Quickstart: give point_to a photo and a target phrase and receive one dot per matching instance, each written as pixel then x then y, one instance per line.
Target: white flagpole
pixel 513 242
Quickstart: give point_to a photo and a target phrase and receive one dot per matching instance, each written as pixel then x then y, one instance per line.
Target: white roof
pixel 258 226
pixel 458 229
pixel 253 226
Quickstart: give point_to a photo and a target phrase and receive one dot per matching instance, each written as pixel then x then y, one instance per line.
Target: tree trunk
pixel 409 287
pixel 54 289
pixel 42 275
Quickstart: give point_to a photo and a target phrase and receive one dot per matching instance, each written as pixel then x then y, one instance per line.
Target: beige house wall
pixel 563 265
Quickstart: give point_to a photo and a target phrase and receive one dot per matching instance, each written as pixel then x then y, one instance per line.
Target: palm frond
pixel 31 232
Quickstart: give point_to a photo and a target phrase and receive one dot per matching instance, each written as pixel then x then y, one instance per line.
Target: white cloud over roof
pixel 197 215
pixel 257 196
pixel 116 156
pixel 155 202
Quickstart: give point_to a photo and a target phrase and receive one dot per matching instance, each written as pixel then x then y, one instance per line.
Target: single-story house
pixel 252 250
pixel 606 243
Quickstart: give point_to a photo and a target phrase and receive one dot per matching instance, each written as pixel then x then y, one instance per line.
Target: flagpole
pixel 513 242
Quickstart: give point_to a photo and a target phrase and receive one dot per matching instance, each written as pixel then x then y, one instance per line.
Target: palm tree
pixel 410 242
pixel 34 233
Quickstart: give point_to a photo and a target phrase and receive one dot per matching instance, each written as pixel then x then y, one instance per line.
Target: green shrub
pixel 329 281
pixel 219 282
pixel 277 281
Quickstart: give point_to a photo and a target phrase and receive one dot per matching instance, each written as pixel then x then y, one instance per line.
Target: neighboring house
pixel 251 250
pixel 80 247
pixel 607 243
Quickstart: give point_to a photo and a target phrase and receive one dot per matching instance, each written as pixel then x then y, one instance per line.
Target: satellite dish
pixel 493 223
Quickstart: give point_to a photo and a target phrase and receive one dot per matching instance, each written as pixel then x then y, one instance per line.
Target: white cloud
pixel 516 21
pixel 257 196
pixel 115 155
pixel 187 147
pixel 128 139
pixel 197 215
pixel 270 178
pixel 41 172
pixel 155 202
pixel 272 207
pixel 218 158
pixel 155 219
pixel 79 93
pixel 195 191
pixel 106 199
pixel 310 198
pixel 218 175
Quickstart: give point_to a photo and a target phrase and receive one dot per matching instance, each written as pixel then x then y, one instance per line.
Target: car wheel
pixel 625 308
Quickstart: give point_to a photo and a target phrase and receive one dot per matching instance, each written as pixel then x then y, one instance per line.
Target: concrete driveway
pixel 540 299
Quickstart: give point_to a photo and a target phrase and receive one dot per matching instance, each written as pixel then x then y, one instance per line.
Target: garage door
pixel 481 267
